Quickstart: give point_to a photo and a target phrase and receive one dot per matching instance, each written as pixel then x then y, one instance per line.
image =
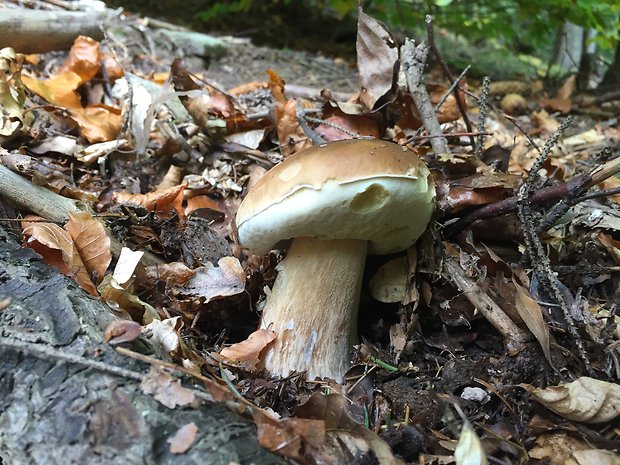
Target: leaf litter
pixel 460 323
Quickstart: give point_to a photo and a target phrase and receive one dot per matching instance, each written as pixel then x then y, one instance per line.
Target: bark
pixel 54 411
pixel 612 76
pixel 34 31
pixel 568 47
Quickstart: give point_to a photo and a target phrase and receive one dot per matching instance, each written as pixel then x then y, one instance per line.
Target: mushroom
pixel 337 202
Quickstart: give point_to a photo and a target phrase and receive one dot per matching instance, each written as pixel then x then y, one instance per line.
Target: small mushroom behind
pixel 337 202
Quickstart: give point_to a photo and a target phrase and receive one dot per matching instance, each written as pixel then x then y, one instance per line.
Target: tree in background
pixel 568 36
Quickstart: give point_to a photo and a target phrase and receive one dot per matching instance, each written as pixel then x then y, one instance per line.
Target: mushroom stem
pixel 313 308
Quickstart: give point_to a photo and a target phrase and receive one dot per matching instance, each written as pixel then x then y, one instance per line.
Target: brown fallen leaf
pixel 343 431
pixel 246 353
pixel 183 438
pixel 92 243
pixel 172 273
pixel 291 136
pixel 126 303
pixel 532 315
pixel 57 248
pixel 167 390
pixel 58 90
pixel 213 282
pixel 290 437
pixel 97 123
pixel 119 331
pixel 84 58
pixel 161 201
pixel 377 58
pixel 586 399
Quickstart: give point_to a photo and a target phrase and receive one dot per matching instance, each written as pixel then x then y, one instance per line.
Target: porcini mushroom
pixel 337 202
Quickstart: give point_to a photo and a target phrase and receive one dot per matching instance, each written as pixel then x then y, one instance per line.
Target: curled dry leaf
pixel 183 438
pixel 213 282
pixel 469 449
pixel 167 390
pixel 126 303
pixel 377 61
pixel 532 315
pixel 97 123
pixel 92 243
pixel 83 59
pixel 161 201
pixel 12 116
pixel 119 331
pixel 586 399
pixel 246 353
pixel 126 265
pixel 165 333
pixel 291 437
pixel 173 273
pixel 290 134
pixel 343 431
pixel 57 248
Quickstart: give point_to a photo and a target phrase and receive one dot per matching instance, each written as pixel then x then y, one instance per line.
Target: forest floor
pixel 494 338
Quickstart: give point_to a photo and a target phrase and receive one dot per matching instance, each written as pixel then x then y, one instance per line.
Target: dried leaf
pixel 97 123
pixel 119 331
pixel 611 245
pixel 342 429
pixel 183 438
pixel 532 315
pixel 558 449
pixel 246 353
pixel 586 399
pixel 377 61
pixel 165 333
pixel 83 59
pixel 92 243
pixel 166 389
pixel 364 124
pixel 171 273
pixel 469 450
pixel 57 248
pixel 213 282
pixel 290 134
pixel 597 456
pixel 12 91
pixel 122 300
pixel 126 265
pixel 290 437
pixel 161 201
pixel 58 90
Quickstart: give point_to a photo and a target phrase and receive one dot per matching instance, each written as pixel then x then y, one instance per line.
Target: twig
pixel 539 197
pixel 482 116
pixel 514 336
pixel 50 353
pixel 540 261
pixel 413 63
pixel 308 131
pixel 444 67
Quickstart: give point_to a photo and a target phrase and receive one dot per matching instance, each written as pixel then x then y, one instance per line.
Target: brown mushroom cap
pixel 371 190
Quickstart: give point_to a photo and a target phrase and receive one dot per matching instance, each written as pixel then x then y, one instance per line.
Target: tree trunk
pixel 54 410
pixel 568 47
pixel 612 76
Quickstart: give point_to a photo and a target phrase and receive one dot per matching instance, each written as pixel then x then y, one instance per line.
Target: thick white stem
pixel 313 308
